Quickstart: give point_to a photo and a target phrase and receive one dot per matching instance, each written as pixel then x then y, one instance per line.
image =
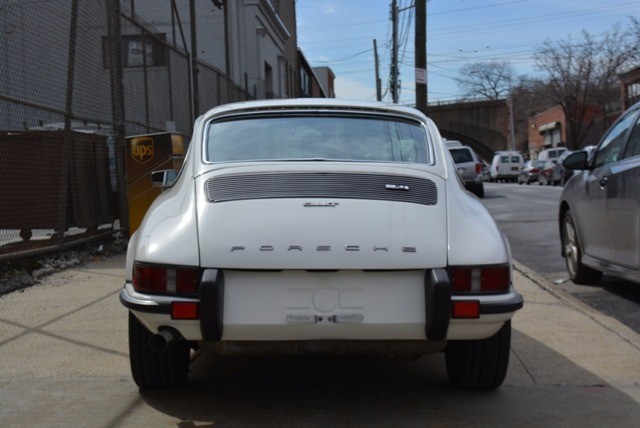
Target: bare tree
pixel 583 75
pixel 489 80
pixel 634 28
pixel 526 103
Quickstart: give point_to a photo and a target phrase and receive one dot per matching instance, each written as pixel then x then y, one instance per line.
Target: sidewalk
pixel 64 353
pixel 592 341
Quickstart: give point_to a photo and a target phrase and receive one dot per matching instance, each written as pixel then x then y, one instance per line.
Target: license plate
pixel 514 168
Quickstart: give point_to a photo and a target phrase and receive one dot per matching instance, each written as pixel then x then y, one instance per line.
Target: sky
pixel 340 33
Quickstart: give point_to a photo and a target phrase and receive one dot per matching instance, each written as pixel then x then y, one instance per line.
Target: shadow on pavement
pixel 543 388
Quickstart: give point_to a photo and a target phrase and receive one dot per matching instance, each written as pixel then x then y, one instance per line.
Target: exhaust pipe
pixel 160 341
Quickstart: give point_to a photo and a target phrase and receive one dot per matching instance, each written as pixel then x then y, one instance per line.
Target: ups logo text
pixel 142 149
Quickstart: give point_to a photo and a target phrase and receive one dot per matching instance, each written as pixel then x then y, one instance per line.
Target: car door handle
pixel 603 182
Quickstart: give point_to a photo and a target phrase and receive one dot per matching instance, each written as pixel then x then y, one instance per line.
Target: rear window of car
pixel 301 137
pixel 504 159
pixel 515 159
pixel 461 155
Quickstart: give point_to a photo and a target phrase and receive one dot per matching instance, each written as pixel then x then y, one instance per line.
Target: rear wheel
pixel 479 364
pixel 156 370
pixel 579 273
pixel 479 190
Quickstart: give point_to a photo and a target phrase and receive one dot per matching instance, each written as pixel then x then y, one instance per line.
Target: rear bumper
pixel 411 311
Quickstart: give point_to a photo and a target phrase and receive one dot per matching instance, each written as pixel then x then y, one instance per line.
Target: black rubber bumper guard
pixel 211 308
pixel 437 290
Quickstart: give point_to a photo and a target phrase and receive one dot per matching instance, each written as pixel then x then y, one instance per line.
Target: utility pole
pixel 421 55
pixel 378 83
pixel 512 133
pixel 394 52
pixel 194 58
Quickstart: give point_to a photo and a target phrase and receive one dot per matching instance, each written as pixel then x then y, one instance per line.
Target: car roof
pixel 316 104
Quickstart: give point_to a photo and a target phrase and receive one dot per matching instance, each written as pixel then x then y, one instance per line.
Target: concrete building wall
pixel 259 42
pixel 286 9
pixel 265 42
pixel 326 78
pixel 209 26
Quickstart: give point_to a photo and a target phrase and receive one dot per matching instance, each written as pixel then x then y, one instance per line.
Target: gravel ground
pixel 17 275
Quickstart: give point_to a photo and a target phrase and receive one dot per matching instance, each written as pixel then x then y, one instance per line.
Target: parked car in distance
pixel 323 227
pixel 599 216
pixel 530 171
pixel 550 173
pixel 551 154
pixel 469 167
pixel 452 143
pixel 486 171
pixel 506 165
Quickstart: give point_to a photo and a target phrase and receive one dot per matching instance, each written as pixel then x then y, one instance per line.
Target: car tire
pixel 156 370
pixel 578 273
pixel 479 365
pixel 479 190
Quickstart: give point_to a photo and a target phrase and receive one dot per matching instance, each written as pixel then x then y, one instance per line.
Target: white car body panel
pixel 293 236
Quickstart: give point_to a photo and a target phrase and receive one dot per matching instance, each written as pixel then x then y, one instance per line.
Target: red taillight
pixel 165 279
pixel 184 310
pixel 466 309
pixel 478 168
pixel 461 279
pixel 495 279
pixel 534 171
pixel 480 279
pixel 149 278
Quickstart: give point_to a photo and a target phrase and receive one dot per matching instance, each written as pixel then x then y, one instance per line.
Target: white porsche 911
pixel 318 226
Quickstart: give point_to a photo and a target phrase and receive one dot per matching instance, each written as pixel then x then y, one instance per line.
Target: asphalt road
pixel 528 215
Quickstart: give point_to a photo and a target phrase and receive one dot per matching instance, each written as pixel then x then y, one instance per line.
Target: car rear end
pixel 316 230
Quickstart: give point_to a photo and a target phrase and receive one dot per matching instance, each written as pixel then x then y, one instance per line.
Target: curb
pixel 611 324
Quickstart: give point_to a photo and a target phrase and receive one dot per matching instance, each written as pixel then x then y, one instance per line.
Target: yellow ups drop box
pixel 145 154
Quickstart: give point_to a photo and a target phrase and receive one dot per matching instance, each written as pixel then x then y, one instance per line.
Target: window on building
pixel 633 93
pixel 138 50
pixel 268 81
pixel 305 83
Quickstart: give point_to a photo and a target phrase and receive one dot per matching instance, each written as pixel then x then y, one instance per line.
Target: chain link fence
pixel 77 78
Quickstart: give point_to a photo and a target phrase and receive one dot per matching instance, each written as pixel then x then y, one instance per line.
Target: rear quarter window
pixel 461 155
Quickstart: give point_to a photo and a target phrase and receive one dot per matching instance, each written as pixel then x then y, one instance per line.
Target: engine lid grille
pixel 395 188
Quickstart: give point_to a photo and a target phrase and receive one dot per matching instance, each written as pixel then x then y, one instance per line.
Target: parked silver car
pixel 600 206
pixel 469 167
pixel 530 171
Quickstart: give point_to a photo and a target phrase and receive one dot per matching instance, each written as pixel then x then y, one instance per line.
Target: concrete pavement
pixel 64 362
